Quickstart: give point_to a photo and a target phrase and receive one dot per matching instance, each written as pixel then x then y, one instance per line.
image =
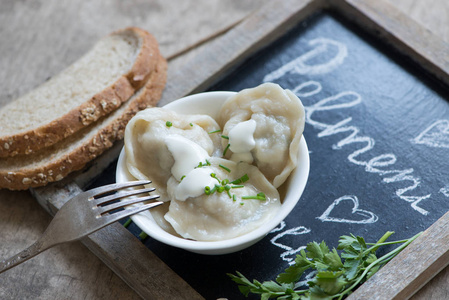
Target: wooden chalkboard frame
pixel 146 273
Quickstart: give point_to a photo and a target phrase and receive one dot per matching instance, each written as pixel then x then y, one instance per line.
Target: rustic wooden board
pixel 377 17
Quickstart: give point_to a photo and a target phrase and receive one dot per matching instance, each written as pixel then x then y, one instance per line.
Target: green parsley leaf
pixel 294 272
pixel 334 278
pixel 352 268
pixel 317 251
pixel 330 282
pixel 345 241
pixel 333 260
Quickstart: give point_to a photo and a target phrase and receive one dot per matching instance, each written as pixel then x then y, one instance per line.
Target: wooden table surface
pixel 38 39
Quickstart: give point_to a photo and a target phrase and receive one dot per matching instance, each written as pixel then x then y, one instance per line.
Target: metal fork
pixel 86 213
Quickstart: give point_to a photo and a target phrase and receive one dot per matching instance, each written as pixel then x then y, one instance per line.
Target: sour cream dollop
pixel 241 141
pixel 188 155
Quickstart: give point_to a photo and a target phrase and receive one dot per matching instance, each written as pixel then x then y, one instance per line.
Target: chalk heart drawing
pixel 356 216
pixel 436 135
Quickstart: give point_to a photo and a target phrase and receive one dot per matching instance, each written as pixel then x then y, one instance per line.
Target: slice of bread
pixel 71 154
pixel 92 87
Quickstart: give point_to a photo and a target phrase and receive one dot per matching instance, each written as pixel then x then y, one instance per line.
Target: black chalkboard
pixel 378 133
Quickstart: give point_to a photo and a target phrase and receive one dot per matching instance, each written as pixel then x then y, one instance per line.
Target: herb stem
pixel 378 261
pixel 387 243
pixel 381 240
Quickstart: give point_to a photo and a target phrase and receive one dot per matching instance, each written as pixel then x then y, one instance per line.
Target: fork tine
pixel 114 206
pixel 120 195
pixel 128 212
pixel 114 187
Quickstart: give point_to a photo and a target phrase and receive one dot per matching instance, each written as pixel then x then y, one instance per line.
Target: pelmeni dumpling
pixel 271 120
pixel 149 134
pixel 221 216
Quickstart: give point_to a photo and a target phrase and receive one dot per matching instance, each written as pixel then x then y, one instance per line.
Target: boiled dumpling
pixel 221 216
pixel 146 138
pixel 267 124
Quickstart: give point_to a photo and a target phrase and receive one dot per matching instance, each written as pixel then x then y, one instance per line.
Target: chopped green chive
pixel 215 131
pixel 214 176
pixel 191 124
pixel 143 235
pixel 225 137
pixel 183 176
pixel 207 190
pixel 168 124
pixel 259 196
pixel 211 191
pixel 237 186
pixel 226 186
pixel 242 179
pixel 201 164
pixel 226 149
pixel 127 223
pixel 225 168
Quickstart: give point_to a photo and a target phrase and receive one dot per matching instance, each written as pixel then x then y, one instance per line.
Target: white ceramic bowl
pixel 210 103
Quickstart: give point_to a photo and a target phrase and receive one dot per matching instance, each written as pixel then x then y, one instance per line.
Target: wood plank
pixel 42 37
pixel 68 271
pixel 412 268
pixel 224 54
pixel 396 29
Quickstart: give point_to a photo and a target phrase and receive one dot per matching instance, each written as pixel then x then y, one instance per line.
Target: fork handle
pixel 20 257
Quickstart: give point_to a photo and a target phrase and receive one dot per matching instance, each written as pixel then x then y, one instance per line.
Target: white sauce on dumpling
pixel 193 184
pixel 147 154
pixel 241 139
pixel 186 153
pixel 279 116
pixel 217 216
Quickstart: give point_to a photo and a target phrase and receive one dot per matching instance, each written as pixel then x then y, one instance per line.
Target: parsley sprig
pixel 334 278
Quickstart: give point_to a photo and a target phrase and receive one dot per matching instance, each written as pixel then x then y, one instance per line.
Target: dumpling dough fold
pixel 279 117
pixel 147 154
pixel 217 216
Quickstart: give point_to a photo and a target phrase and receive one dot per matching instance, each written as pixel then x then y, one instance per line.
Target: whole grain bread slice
pixel 92 87
pixel 57 161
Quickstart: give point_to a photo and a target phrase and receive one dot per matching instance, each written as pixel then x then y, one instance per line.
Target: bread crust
pixel 112 129
pixel 101 104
